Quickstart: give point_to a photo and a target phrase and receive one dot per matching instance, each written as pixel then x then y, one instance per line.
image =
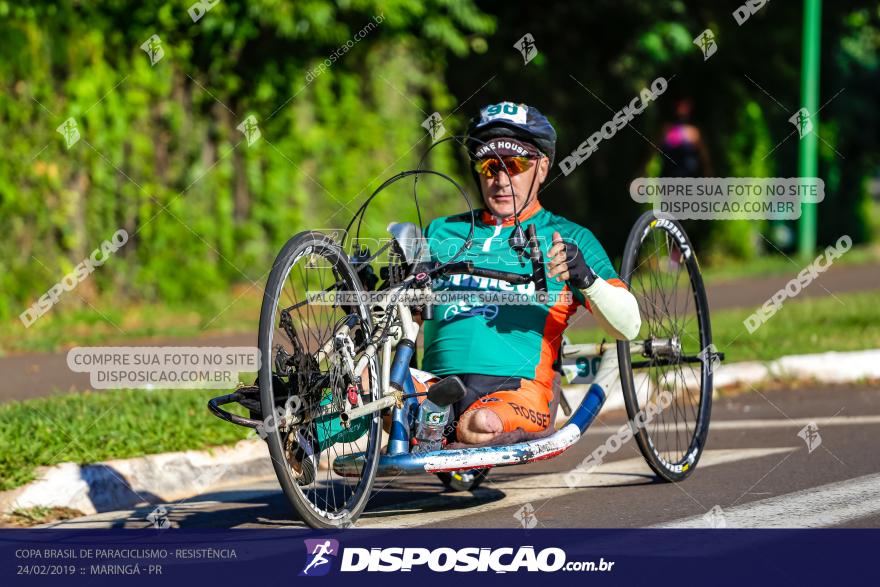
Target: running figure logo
pixel 526 46
pixel 714 518
pixel 153 48
pixel 249 128
pixel 159 518
pixel 69 131
pixel 802 122
pixel 706 42
pixel 810 435
pixel 709 356
pixel 434 125
pixel 526 516
pixel 319 553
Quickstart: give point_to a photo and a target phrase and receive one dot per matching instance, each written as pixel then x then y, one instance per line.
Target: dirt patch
pixel 38 515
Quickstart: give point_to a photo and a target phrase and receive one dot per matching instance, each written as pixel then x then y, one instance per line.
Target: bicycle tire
pixel 300 490
pixel 675 251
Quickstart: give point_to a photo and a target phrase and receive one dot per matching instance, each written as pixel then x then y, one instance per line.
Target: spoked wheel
pixel 307 351
pixel 463 480
pixel 667 386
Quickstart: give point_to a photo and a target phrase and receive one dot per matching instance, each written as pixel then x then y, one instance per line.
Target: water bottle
pixel 430 425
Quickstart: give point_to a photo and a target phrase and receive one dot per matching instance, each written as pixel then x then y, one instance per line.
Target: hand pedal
pixel 250 397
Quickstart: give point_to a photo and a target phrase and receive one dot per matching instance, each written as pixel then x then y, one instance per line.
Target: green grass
pixel 91 427
pixel 775 263
pixel 108 321
pixel 802 326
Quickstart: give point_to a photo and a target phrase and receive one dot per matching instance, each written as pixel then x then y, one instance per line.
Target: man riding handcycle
pixel 335 373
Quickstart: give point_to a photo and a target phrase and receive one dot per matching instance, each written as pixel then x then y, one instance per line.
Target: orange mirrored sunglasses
pixel 492 166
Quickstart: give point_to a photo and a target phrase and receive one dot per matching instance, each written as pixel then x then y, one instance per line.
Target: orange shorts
pixel 527 407
pixel 520 403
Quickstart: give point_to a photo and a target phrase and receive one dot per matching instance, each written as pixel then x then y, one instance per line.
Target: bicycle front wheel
pixel 307 350
pixel 667 387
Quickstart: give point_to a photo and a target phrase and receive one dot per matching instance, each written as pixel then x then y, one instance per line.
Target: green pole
pixel 807 147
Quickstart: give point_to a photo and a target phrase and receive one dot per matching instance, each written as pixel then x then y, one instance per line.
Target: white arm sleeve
pixel 615 308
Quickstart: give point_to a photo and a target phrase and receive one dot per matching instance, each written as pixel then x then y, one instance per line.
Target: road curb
pixel 829 367
pixel 124 483
pixel 168 477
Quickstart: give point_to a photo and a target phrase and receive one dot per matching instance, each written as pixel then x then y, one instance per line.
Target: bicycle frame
pixel 379 342
pixel 398 390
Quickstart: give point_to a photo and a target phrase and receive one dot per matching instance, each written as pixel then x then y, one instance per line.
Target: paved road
pixel 756 469
pixel 40 374
pixel 26 376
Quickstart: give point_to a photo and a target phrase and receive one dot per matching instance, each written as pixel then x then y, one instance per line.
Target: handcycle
pixel 330 369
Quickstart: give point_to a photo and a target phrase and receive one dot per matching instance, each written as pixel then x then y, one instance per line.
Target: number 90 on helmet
pixel 508 119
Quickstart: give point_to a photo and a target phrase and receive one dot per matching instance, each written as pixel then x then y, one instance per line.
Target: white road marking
pixel 759 424
pixel 434 510
pixel 535 488
pixel 816 507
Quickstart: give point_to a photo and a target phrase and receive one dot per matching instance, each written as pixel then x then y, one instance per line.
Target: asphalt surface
pixel 756 472
pixel 34 375
pixel 28 376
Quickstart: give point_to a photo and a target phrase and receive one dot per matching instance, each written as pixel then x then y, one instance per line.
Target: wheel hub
pixel 663 348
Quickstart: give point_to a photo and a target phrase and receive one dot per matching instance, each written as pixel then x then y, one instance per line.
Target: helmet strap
pixel 529 197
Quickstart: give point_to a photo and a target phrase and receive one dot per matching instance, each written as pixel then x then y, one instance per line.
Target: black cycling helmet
pixel 507 119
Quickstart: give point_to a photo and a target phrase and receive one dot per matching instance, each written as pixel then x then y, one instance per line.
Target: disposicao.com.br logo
pixel 441 560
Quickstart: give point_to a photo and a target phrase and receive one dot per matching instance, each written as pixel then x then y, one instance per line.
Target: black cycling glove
pixel 580 274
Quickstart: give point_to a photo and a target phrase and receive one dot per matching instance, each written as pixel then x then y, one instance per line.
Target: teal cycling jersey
pixel 507 332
